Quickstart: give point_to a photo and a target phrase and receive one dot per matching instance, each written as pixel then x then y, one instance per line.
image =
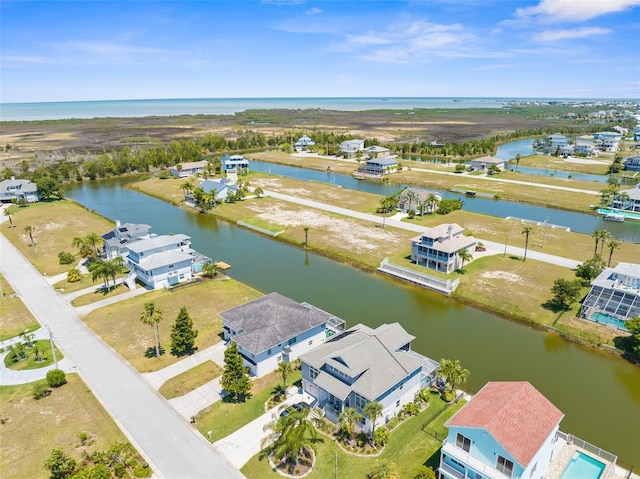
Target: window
pixel 398 403
pixel 313 373
pixel 360 401
pixel 269 352
pixel 293 341
pixel 279 358
pixel 505 466
pixel 463 443
pixel 310 342
pixel 533 469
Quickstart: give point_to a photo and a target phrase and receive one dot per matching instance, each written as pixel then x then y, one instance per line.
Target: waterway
pixel 579 222
pixel 599 394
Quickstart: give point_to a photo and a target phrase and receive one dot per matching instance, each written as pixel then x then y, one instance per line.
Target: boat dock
pixel 539 223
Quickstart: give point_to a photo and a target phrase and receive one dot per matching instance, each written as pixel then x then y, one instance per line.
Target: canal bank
pixel 599 394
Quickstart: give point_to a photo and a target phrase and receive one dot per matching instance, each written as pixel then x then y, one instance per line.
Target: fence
pixel 420 279
pixel 584 445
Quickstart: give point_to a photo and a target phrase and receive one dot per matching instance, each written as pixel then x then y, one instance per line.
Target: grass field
pixel 54 226
pixel 100 294
pixel 190 380
pixel 33 428
pixel 558 163
pixel 411 445
pixel 15 318
pixel 120 326
pixel 30 362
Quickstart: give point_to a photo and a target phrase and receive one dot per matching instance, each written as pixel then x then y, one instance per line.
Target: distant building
pixel 184 170
pixel 632 163
pixel 483 164
pixel 437 248
pixel 607 135
pixel 235 163
pixel 351 147
pixel 222 187
pixel 274 328
pixel 18 190
pixel 557 140
pixel 304 143
pixel 628 200
pixel 609 144
pixel 379 167
pixel 586 149
pixel 376 151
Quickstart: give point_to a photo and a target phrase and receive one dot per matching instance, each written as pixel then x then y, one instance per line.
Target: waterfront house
pixel 621 129
pixel 438 248
pixel 275 328
pixel 350 148
pixel 609 144
pixel 363 365
pixel 184 170
pixel 507 430
pixel 378 167
pixel 566 150
pixel 375 151
pixel 18 190
pixel 235 164
pixel 607 135
pixel 223 189
pixel 483 164
pixel 303 143
pixel 585 149
pixel 557 140
pixel 116 242
pixel 628 200
pixel 636 133
pixel 632 163
pixel 163 261
pixel 412 198
pixel 614 296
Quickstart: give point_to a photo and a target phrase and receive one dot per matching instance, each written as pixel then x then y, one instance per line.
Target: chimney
pixel 450 230
pixel 13 178
pixel 117 223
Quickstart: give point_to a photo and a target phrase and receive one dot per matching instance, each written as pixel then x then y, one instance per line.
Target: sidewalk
pixel 87 308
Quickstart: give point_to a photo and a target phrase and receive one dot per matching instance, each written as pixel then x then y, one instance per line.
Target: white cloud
pixel 314 11
pixel 557 34
pixel 575 10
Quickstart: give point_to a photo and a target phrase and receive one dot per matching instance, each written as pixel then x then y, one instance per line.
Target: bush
pixel 424 472
pixel 40 391
pixel 460 168
pixel 56 378
pixel 411 214
pixel 381 436
pixel 142 471
pixel 448 395
pixel 73 276
pixel 65 258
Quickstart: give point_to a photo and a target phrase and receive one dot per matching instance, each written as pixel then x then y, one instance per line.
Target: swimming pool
pixel 582 466
pixel 605 318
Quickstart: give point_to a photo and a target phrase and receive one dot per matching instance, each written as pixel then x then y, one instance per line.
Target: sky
pixel 99 50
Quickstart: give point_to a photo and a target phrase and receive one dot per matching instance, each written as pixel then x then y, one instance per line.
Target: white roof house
pixel 483 163
pixel 303 143
pixel 351 147
pixel 18 189
pixel 438 248
pixel 184 170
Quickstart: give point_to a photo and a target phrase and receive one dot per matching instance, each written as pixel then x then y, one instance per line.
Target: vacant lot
pixel 120 326
pixel 15 318
pixel 54 225
pixel 33 428
pixel 598 165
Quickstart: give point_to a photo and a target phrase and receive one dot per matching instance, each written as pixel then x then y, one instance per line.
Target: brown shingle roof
pixel 515 413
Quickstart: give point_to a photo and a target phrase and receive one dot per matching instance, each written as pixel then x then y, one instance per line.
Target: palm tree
pixel 284 368
pixel 152 316
pixel 464 255
pixel 599 235
pixel 372 410
pixel 7 212
pixel 432 201
pixel 111 268
pixel 526 231
pixel 83 245
pixel 93 239
pixel 518 157
pixel 258 192
pixel 186 187
pixel 452 372
pixel 384 469
pixel 348 418
pixel 99 270
pixel 29 231
pixel 306 236
pixel 603 239
pixel 613 244
pixel 289 436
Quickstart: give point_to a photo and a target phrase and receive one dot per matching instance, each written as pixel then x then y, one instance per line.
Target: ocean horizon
pixel 38 111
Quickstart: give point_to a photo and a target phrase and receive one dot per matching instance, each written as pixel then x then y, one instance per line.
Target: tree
pixel 493 169
pixel 599 235
pixel 306 236
pixel 8 212
pixel 98 270
pixel 464 255
pixel 452 372
pixel 590 269
pixel 289 436
pixel 449 205
pixel 59 464
pixel 183 336
pixel 604 236
pixel 48 188
pixel 209 270
pixel 518 157
pixel 65 258
pixel 384 469
pixel 56 378
pixel 152 316
pixel 29 231
pixel 186 187
pixel 258 192
pixel 93 239
pixel 432 202
pixel 348 418
pixel 73 275
pixel 612 245
pixel 565 292
pixel 526 231
pixel 84 245
pixel 284 369
pixel 633 326
pixel 235 379
pixel 372 410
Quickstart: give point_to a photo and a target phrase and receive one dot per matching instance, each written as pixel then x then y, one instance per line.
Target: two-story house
pixel 632 163
pixel 184 170
pixel 303 143
pixel 379 167
pixel 507 430
pixel 363 365
pixel 275 328
pixel 235 164
pixel 351 147
pixel 439 248
pixel 627 200
pixel 483 163
pixel 18 189
pixel 116 242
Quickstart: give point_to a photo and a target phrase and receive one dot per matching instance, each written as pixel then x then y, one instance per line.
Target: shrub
pixel 142 471
pixel 424 472
pixel 448 395
pixel 65 258
pixel 411 409
pixel 460 168
pixel 411 214
pixel 381 436
pixel 56 378
pixel 40 391
pixel 73 276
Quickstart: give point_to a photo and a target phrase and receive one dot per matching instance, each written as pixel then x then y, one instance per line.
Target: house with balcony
pixel 303 143
pixel 609 144
pixel 632 163
pixel 350 148
pixel 439 248
pixel 274 328
pixel 507 430
pixel 163 261
pixel 628 200
pixel 378 167
pixel 235 164
pixel 184 170
pixel 585 149
pixel 18 190
pixel 483 164
pixel 557 140
pixel 363 365
pixel 376 151
pixel 116 242
pixel 614 296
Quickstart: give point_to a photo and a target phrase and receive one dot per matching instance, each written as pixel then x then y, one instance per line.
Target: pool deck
pixel 563 452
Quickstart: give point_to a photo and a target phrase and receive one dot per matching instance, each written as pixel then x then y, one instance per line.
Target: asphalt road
pixel 173 448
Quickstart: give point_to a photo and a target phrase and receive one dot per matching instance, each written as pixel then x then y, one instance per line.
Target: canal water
pixel 599 394
pixel 579 222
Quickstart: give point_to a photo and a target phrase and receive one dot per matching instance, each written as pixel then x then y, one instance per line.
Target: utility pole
pixel 53 350
pixel 544 234
pixel 505 246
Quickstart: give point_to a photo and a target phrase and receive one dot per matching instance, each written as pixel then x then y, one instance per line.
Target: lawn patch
pixel 15 318
pixel 189 380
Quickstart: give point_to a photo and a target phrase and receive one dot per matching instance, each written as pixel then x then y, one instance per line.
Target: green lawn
pixel 15 318
pixel 46 358
pixel 412 444
pixel 223 417
pixel 264 225
pixel 101 294
pixel 189 380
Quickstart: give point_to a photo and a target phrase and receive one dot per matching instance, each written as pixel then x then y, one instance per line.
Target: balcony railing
pixel 471 462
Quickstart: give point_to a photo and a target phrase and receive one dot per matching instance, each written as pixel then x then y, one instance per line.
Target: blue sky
pixel 96 50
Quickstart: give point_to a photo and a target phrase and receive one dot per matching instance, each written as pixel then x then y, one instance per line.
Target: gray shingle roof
pixel 157 242
pixel 371 356
pixel 271 320
pixel 164 258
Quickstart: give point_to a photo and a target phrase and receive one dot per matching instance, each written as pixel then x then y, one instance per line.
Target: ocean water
pixel 223 106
